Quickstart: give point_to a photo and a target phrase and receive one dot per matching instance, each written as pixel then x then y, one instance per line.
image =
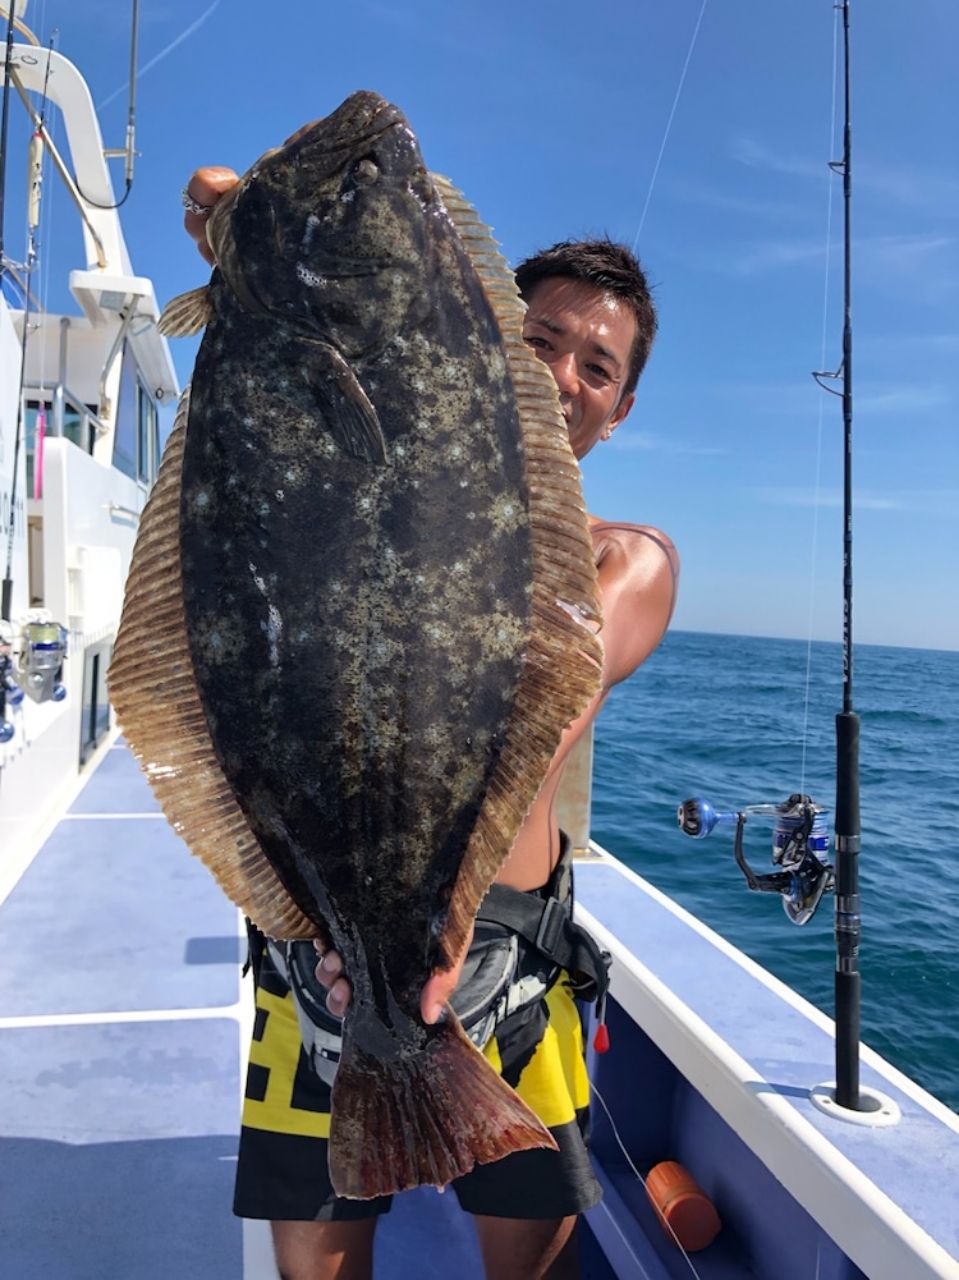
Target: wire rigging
pixel 6 601
pixel 44 288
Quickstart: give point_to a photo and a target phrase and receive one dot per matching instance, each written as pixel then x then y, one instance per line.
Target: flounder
pixel 356 622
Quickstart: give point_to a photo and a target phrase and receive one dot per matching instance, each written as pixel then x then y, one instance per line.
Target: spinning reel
pixel 800 847
pixel 10 692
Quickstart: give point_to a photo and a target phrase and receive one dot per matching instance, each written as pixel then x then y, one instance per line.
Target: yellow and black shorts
pixel 282 1167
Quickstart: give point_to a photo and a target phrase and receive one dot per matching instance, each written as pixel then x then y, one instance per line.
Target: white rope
pixel 669 124
pixel 822 399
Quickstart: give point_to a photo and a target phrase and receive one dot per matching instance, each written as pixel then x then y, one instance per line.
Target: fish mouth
pixel 337 268
pixel 357 122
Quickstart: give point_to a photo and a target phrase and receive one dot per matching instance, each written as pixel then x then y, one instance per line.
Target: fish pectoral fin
pixel 187 313
pixel 347 410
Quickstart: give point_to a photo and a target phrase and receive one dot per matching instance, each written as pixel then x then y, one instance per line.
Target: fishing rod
pixel 848 830
pixel 800 841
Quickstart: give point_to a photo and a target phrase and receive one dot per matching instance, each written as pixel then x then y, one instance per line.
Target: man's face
pixel 586 337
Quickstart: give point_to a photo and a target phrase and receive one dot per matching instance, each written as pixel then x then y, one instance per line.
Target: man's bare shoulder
pixel 634 545
pixel 638 569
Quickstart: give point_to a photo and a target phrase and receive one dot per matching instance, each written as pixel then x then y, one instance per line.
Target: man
pixel 591 319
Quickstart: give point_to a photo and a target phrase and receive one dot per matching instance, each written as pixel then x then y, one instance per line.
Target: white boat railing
pixel 62 398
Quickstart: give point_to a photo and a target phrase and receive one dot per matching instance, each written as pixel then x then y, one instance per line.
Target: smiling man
pixel 590 318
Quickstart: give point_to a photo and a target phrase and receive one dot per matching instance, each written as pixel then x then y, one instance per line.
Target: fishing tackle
pixel 10 691
pixel 43 648
pixel 800 847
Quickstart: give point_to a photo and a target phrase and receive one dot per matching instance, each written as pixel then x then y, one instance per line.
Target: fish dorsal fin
pixel 563 663
pixel 492 268
pixel 154 690
pixel 187 313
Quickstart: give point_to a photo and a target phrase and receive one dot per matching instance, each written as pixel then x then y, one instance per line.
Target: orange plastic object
pixel 684 1210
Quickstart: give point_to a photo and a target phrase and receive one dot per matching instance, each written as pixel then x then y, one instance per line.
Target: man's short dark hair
pixel 610 267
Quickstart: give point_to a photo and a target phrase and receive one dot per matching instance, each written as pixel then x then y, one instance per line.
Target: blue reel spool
pixel 800 847
pixel 10 692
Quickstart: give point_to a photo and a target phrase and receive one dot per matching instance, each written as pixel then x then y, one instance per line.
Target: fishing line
pixel 819 426
pixel 642 1180
pixel 669 124
pixel 184 35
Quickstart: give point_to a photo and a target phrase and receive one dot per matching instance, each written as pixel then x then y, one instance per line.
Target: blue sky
pixel 552 119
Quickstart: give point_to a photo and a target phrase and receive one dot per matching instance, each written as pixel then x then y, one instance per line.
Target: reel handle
pixel 697 818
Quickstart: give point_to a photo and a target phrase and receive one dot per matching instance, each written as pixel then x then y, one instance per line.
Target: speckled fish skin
pixel 356 554
pixel 357 619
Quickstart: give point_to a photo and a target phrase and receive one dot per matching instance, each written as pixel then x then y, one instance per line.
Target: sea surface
pixel 725 717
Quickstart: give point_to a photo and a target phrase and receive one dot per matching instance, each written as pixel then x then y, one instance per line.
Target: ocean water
pixel 725 717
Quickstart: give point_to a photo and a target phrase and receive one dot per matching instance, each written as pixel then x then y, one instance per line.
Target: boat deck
pixel 123 1033
pixel 122 1040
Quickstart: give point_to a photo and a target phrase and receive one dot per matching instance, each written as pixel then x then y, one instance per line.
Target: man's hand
pixel 205 187
pixel 433 998
pixel 329 973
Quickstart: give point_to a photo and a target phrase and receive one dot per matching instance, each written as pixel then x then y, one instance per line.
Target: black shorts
pixel 282 1170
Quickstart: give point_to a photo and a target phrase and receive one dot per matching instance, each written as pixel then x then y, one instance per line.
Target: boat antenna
pixel 129 150
pixel 33 219
pixel 848 832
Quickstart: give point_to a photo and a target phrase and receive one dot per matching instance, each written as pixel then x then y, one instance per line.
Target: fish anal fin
pixel 434 1114
pixel 187 313
pixel 563 660
pixel 154 690
pixel 346 408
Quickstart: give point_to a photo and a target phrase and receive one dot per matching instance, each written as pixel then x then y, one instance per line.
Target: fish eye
pixel 365 171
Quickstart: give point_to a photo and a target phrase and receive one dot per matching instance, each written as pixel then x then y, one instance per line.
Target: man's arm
pixel 637 569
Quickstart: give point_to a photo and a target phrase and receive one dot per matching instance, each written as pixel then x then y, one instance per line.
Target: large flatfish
pixel 358 616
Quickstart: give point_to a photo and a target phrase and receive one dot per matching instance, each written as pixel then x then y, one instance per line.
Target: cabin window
pixel 77 427
pixel 135 443
pixel 95 715
pixel 147 442
pixel 30 425
pixel 125 436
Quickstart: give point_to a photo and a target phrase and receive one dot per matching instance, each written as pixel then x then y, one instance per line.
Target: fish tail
pixel 422 1119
